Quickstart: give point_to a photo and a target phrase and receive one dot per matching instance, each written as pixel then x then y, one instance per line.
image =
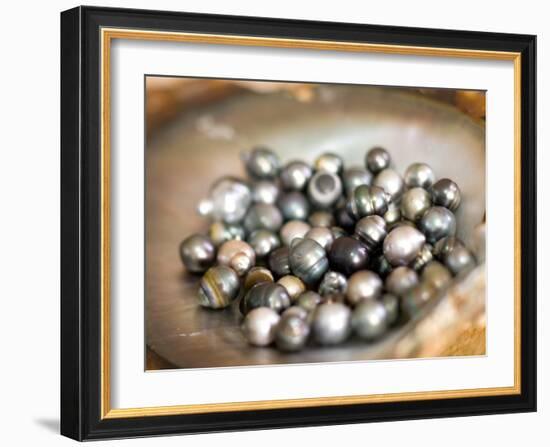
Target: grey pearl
pixel 391 303
pixel 371 230
pixel 391 182
pixel 424 256
pixel 377 159
pixel 296 311
pixel 354 177
pixel 218 287
pixel 279 261
pixel 263 242
pixel 363 285
pixel 293 229
pixel 221 232
pixel 255 276
pixel 259 326
pixel 370 320
pixel 292 333
pixel 415 203
pixel 293 285
pixel 331 323
pixel 266 294
pixel 454 254
pixel 436 223
pixel 347 255
pixel 437 275
pixel 381 266
pixel 262 216
pixel 344 219
pixel 401 280
pixel 329 162
pixel 265 191
pixel 392 216
pixel 308 260
pixel 446 193
pixel 262 163
pixel 228 200
pixel 309 300
pixel 419 175
pixel 295 175
pixel 324 189
pixel 321 219
pixel 294 206
pixel 323 236
pixel 416 298
pixel 402 245
pixel 197 253
pixel 333 283
pixel 338 232
pixel 367 200
pixel 238 255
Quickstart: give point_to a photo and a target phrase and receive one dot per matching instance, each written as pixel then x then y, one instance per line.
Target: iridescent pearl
pixel 238 255
pixel 262 216
pixel 221 232
pixel 347 255
pixel 255 276
pixel 437 275
pixel 446 193
pixel 197 253
pixel 377 159
pixel 292 333
pixel 419 174
pixel 333 283
pixel 309 300
pixel 266 294
pixel 367 200
pixel 415 203
pixel 354 177
pixel 436 223
pixel 279 262
pixel 401 280
pixel 263 242
pixel 265 191
pixel 454 254
pixel 338 232
pixel 363 285
pixel 391 182
pixel 293 229
pixel 228 200
pixel 417 297
pixel 294 206
pixel 424 256
pixel 370 320
pixel 321 219
pixel 329 162
pixel 344 219
pixel 308 260
pixel 402 245
pixel 331 323
pixel 323 236
pixel 391 303
pixel 392 215
pixel 371 230
pixel 293 285
pixel 324 189
pixel 295 175
pixel 259 326
pixel 381 265
pixel 261 162
pixel 218 287
pixel 296 311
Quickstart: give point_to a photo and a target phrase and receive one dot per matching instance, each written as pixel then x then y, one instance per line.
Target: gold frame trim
pixel 107 35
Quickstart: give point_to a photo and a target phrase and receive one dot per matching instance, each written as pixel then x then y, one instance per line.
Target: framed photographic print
pixel 273 223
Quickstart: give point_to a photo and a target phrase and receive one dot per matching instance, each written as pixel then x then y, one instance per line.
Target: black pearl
pixel 261 162
pixel 436 223
pixel 367 200
pixel 402 245
pixel 446 193
pixel 321 219
pixel 221 232
pixel 338 232
pixel 391 303
pixel 228 200
pixel 293 286
pixel 259 326
pixel 238 255
pixel 370 320
pixel 416 298
pixel 265 191
pixel 255 276
pixel 309 300
pixel 295 175
pixel 331 323
pixel 424 256
pixel 308 260
pixel 329 162
pixel 419 175
pixel 344 219
pixel 371 230
pixel 294 206
pixel 454 254
pixel 323 236
pixel 293 229
pixel 333 283
pixel 377 159
pixel 437 275
pixel 296 311
pixel 415 203
pixel 262 216
pixel 347 255
pixel 391 182
pixel 266 294
pixel 382 266
pixel 292 333
pixel 279 261
pixel 401 280
pixel 197 253
pixel 218 287
pixel 263 242
pixel 363 285
pixel 324 189
pixel 354 177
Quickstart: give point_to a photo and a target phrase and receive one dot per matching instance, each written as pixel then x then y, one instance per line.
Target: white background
pixel 29 245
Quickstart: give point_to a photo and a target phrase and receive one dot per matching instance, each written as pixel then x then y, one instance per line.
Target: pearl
pixel 263 242
pixel 382 266
pixel 391 182
pixel 221 232
pixel 437 223
pixel 279 262
pixel 367 200
pixel 452 252
pixel 218 287
pixel 392 215
pixel 323 236
pixel 446 193
pixel 308 260
pixel 331 323
pixel 292 333
pixel 371 231
pixel 354 177
pixel 424 256
pixel 363 285
pixel 417 297
pixel 333 283
pixel 402 245
pixel 261 162
pixel 391 303
pixel 293 229
pixel 266 294
pixel 370 320
pixel 309 300
pixel 265 191
pixel 377 159
pixel 347 255
pixel 324 189
pixel 437 275
pixel 329 162
pixel 321 219
pixel 415 203
pixel 255 276
pixel 419 174
pixel 197 253
pixel 293 285
pixel 228 200
pixel 295 175
pixel 294 206
pixel 259 326
pixel 238 255
pixel 401 280
pixel 262 216
pixel 344 219
pixel 296 311
pixel 338 232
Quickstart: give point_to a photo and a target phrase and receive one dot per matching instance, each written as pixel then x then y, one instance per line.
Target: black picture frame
pixel 81 223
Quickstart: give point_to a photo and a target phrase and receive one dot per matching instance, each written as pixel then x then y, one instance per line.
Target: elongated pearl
pixel 331 323
pixel 259 326
pixel 218 287
pixel 402 245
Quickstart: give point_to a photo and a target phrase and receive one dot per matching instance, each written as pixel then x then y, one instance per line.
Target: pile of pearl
pixel 321 253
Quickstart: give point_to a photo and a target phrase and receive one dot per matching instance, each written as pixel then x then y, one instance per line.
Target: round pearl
pixel 333 283
pixel 371 230
pixel 278 261
pixel 295 175
pixel 323 236
pixel 218 287
pixel 294 206
pixel 238 255
pixel 417 297
pixel 296 311
pixel 255 276
pixel 329 162
pixel 391 303
pixel 263 242
pixel 261 162
pixel 363 285
pixel 197 253
pixel 458 259
pixel 293 285
pixel 347 255
pixel 437 275
pixel 331 323
pixel 437 223
pixel 308 260
pixel 221 232
pixel 228 200
pixel 259 326
pixel 391 182
pixel 265 191
pixel 366 200
pixel 321 219
pixel 262 216
pixel 415 203
pixel 354 177
pixel 446 193
pixel 293 229
pixel 309 300
pixel 377 159
pixel 402 245
pixel 266 294
pixel 292 333
pixel 370 320
pixel 324 189
pixel 419 174
pixel 401 280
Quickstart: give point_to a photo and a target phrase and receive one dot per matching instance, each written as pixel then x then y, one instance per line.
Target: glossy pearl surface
pixel 295 175
pixel 424 256
pixel 261 162
pixel 354 177
pixel 370 320
pixel 255 276
pixel 363 285
pixel 446 193
pixel 218 287
pixel 292 333
pixel 344 219
pixel 278 261
pixel 415 203
pixel 228 200
pixel 392 216
pixel 382 266
pixel 367 200
pixel 238 255
pixel 419 175
pixel 259 326
pixel 293 229
pixel 437 275
pixel 417 297
pixel 263 242
pixel 391 182
pixel 329 162
pixel 294 206
pixel 331 323
pixel 436 223
pixel 197 253
pixel 308 260
pixel 266 294
pixel 402 245
pixel 391 303
pixel 321 219
pixel 221 232
pixel 401 280
pixel 324 189
pixel 347 255
pixel 323 236
pixel 371 230
pixel 309 300
pixel 265 191
pixel 263 216
pixel 333 283
pixel 296 311
pixel 460 260
pixel 377 159
pixel 293 285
